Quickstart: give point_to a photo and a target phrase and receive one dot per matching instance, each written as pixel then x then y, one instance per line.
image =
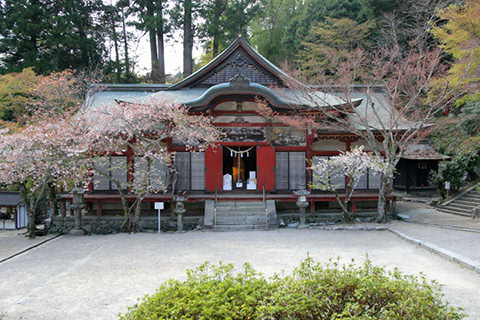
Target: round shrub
pixel 312 291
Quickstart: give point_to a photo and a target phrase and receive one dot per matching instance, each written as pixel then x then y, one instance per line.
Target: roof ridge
pixel 254 54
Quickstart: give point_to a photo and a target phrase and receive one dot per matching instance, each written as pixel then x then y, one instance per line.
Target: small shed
pixel 414 168
pixel 12 211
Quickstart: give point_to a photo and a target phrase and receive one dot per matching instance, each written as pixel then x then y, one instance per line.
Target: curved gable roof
pixel 238 58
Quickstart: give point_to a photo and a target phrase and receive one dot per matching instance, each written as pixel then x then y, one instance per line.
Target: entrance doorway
pixel 241 164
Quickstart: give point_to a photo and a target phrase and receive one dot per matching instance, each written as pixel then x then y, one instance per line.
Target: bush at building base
pixel 312 291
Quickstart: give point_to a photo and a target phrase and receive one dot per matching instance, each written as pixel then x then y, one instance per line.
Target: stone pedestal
pixel 180 211
pixel 302 203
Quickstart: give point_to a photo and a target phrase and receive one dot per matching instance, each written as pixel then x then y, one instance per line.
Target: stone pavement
pixel 452 236
pixel 96 277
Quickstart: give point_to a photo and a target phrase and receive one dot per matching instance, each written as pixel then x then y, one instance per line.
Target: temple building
pixel 249 178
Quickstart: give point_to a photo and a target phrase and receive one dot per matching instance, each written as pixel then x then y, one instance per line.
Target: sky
pixel 173 54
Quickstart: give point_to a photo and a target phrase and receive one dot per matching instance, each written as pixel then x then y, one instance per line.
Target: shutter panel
pixel 198 171
pixel 281 170
pixel 119 171
pixel 373 180
pixel 362 182
pixel 297 172
pixel 102 164
pixel 182 162
pixel 316 177
pixel 158 174
pixel 139 169
pixel 338 179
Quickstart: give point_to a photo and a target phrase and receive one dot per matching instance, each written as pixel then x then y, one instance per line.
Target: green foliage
pixel 460 37
pixel 316 11
pixel 312 291
pixel 17 93
pixel 459 133
pixel 224 20
pixel 51 35
pixel 459 170
pixel 330 44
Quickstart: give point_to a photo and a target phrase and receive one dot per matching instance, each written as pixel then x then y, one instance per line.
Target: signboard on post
pixel 447 185
pixel 159 206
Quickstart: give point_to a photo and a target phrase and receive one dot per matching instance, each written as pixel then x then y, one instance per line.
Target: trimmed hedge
pixel 312 291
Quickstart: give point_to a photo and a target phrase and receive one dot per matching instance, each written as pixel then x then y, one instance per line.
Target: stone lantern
pixel 180 211
pixel 302 203
pixel 78 204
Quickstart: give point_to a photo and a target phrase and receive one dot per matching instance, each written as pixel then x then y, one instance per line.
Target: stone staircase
pixel 240 215
pixel 464 205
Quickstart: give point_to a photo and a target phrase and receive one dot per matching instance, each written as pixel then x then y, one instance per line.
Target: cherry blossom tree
pixel 42 154
pixel 353 165
pixel 399 100
pixel 140 128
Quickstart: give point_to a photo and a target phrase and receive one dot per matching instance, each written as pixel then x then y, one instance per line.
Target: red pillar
pixel 265 168
pixel 213 169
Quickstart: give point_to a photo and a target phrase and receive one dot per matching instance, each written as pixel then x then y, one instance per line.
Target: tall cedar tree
pixel 151 20
pixel 51 36
pixel 183 14
pixel 224 21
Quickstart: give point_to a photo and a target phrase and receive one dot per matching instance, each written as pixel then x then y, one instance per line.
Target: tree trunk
pixel 187 39
pixel 160 42
pixel 125 44
pixel 382 199
pixel 52 199
pixel 155 73
pixel 218 10
pixel 138 212
pixel 117 54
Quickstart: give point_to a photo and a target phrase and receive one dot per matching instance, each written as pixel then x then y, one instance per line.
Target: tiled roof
pixel 10 198
pixel 423 151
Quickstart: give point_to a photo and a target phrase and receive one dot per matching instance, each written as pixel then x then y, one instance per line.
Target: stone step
pixel 242 220
pixel 219 209
pixel 473 194
pixel 467 203
pixel 458 205
pixel 236 227
pixel 451 207
pixel 240 205
pixel 477 201
pixel 240 213
pixel 443 209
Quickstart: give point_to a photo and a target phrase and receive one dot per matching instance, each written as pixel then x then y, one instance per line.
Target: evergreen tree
pixel 313 11
pixel 51 35
pixel 151 18
pixel 225 21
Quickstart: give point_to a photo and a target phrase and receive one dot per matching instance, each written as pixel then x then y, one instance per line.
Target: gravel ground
pixel 14 241
pixel 455 233
pixel 96 277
